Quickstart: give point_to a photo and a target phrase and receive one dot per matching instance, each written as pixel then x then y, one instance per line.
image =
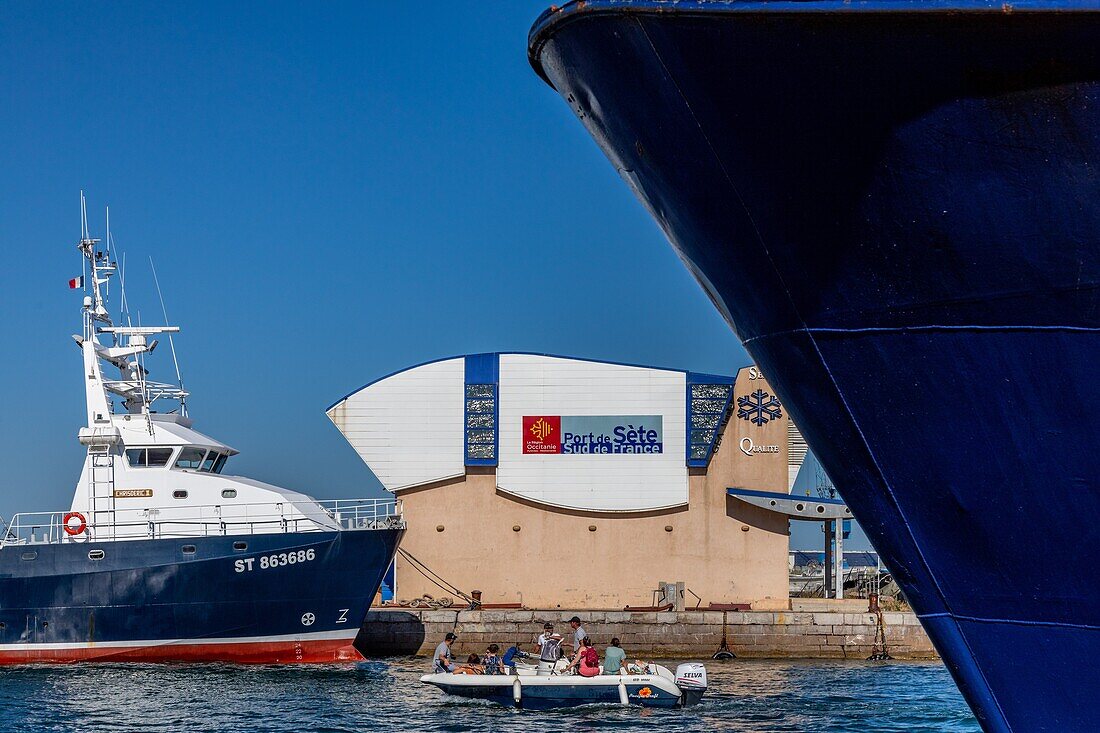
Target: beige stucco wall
pixel 722 549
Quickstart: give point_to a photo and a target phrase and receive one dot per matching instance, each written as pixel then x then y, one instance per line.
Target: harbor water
pixel 745 695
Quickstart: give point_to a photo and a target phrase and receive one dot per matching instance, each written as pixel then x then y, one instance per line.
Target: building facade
pixel 560 482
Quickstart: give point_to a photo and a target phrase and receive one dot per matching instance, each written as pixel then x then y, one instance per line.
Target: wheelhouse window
pixel 159 456
pixel 148 457
pixel 190 458
pixel 210 460
pixel 199 459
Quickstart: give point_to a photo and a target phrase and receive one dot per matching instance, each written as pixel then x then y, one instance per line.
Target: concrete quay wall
pixel 683 634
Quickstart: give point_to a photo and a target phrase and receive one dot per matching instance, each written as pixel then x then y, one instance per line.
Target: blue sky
pixel 330 192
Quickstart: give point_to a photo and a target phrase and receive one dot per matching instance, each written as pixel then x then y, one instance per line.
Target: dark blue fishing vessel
pixel 896 206
pixel 163 555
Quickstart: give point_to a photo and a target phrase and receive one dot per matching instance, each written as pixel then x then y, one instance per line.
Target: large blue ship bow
pixel 896 206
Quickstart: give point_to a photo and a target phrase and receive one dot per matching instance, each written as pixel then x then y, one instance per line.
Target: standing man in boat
pixel 549 652
pixel 547 630
pixel 443 661
pixel 578 633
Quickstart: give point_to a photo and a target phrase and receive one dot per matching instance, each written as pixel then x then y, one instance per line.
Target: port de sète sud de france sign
pixel 582 434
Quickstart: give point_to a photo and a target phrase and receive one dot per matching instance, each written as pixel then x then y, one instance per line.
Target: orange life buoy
pixel 74 529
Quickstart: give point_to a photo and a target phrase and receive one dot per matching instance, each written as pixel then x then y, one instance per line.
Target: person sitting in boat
pixel 472 666
pixel 547 630
pixel 614 658
pixel 508 660
pixel 638 667
pixel 442 662
pixel 491 660
pixel 586 662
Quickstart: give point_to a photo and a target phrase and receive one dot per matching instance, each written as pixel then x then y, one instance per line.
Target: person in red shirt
pixel 587 660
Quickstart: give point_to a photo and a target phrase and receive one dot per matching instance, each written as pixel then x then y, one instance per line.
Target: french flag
pixel 76 282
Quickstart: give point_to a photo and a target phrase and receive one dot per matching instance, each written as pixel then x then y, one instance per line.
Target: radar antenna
pixel 84 237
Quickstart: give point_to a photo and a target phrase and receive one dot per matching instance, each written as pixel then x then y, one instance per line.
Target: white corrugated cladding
pixel 408 427
pixel 796 453
pixel 541 385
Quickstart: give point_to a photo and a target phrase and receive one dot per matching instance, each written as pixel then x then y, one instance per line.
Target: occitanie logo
pixel 541 429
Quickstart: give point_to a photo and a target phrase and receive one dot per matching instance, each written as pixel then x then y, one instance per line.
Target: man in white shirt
pixel 547 630
pixel 549 648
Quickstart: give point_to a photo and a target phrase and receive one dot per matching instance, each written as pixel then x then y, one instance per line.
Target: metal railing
pixel 205 521
pixel 365 513
pixel 808 580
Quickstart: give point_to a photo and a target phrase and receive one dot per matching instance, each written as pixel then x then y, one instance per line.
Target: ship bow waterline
pixel 895 205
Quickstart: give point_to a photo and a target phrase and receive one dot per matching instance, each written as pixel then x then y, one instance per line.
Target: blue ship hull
pixel 896 206
pixel 265 598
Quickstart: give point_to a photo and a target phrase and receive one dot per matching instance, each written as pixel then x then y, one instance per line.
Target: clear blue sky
pixel 330 192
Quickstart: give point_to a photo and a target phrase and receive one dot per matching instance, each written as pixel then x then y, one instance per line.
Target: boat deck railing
pixel 203 521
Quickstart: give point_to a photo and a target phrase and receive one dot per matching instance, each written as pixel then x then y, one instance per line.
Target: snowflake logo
pixel 759 407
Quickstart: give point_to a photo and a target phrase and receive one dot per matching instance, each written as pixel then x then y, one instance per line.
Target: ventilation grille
pixel 796 453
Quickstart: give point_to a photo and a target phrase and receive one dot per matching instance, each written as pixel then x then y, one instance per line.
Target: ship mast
pixel 127 345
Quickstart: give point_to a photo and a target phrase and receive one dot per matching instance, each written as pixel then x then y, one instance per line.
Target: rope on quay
pixel 427 601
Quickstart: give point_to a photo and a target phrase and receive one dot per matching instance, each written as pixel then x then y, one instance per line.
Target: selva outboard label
pixel 593 434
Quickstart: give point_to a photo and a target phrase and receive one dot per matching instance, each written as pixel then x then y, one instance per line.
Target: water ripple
pixel 746 696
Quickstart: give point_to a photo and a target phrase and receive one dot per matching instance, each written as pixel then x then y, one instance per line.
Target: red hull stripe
pixel 319 651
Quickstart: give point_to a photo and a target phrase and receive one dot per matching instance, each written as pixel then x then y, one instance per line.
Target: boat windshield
pixel 201 459
pixel 210 461
pixel 190 458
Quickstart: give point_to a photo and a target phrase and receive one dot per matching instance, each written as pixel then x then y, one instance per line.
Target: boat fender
pixel 74 529
pixel 624 699
pixel 517 691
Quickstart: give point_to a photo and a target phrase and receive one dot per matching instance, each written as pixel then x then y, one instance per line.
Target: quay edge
pixel 846 634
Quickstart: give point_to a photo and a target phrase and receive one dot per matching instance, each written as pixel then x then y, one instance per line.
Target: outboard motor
pixel 691 678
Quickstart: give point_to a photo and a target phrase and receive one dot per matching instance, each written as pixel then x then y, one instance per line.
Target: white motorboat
pixel 540 689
